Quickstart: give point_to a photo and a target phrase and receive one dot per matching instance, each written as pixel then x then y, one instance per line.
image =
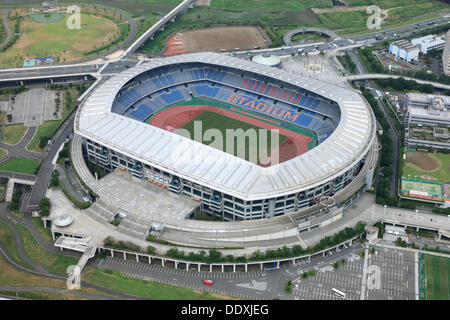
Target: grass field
pixel 427 166
pixel 19 165
pixel 54 263
pixel 47 129
pixel 56 40
pixel 432 188
pixel 8 243
pixel 3 152
pixel 13 133
pixel 148 289
pixel 9 276
pixel 212 120
pixel 437 275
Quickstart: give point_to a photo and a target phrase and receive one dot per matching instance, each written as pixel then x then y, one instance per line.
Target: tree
pixel 45 206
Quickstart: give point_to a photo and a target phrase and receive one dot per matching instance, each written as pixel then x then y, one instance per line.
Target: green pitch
pixel 436 272
pixel 250 150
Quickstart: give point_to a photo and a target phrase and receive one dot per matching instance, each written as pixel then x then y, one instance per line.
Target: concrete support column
pixel 124 256
pixel 245 267
pixel 187 266
pixel 323 254
pixel 162 262
pixel 198 267
pixel 417 229
pixel 309 258
pixel 137 257
pixel 278 264
pixel 176 265
pixel 210 268
pixel 112 253
pixel 261 266
pixel 149 260
pixel 53 236
pixel 223 268
pixel 234 268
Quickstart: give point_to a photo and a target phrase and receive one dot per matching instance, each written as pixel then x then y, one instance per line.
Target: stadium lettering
pixel 242 100
pixel 250 104
pixel 262 88
pixel 280 113
pixel 271 91
pixel 290 117
pixel 259 105
pixel 246 84
pixel 294 98
pixel 232 97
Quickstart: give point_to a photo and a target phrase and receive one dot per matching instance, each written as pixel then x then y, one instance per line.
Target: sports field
pixel 246 145
pixel 41 39
pixel 426 166
pixel 435 276
pixel 181 118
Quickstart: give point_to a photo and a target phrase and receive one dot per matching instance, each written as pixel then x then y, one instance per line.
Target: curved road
pixel 288 35
pixel 40 270
pixel 6 26
pixel 19 149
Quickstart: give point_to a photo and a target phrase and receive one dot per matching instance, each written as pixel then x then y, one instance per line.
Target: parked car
pixel 208 282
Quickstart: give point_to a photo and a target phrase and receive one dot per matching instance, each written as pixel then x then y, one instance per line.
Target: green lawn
pixel 56 40
pixel 47 129
pixel 13 133
pixel 20 165
pixel 147 289
pixel 45 232
pixel 54 263
pixel 437 275
pixel 442 174
pixel 212 120
pixel 9 244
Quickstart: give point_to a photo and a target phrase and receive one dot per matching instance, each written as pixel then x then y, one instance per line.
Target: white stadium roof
pixel 218 170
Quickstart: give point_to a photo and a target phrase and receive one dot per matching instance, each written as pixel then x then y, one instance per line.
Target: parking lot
pixel 388 274
pixel 34 107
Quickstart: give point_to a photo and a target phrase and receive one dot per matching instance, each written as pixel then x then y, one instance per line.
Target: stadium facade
pixel 111 122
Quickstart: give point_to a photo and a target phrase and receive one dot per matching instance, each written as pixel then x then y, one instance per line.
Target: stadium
pixel 142 121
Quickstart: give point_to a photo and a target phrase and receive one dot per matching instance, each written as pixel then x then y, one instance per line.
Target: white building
pixel 404 50
pixel 446 55
pixel 268 60
pixel 429 42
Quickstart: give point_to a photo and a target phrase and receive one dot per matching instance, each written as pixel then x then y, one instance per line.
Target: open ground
pixel 54 39
pixel 427 166
pixel 215 39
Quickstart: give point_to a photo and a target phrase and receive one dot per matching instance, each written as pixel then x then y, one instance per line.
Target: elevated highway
pixel 170 17
pixel 287 37
pixel 370 76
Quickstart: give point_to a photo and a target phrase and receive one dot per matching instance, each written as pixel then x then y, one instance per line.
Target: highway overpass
pixel 170 17
pixel 371 76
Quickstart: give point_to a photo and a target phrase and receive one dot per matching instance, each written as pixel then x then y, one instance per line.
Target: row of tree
pixel 386 161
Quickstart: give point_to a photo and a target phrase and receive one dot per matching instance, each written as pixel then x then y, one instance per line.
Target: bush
pixel 54 180
pixel 45 206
